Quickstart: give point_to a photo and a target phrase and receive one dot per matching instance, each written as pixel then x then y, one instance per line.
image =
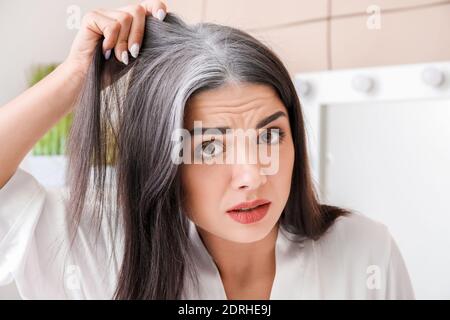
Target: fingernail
pixel 160 14
pixel 108 54
pixel 134 50
pixel 124 57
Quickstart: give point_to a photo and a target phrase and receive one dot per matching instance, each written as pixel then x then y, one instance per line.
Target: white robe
pixel 356 258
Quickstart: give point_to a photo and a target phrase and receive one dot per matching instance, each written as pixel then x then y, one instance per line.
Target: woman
pixel 136 223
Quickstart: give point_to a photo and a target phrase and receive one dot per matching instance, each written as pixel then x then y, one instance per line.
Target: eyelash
pixel 281 132
pixel 204 144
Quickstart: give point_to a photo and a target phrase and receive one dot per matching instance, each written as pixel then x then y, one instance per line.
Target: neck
pixel 242 262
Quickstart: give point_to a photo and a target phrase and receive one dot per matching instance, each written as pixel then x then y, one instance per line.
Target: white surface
pixel 386 153
pixel 395 168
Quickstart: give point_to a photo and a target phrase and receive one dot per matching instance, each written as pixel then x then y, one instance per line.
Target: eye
pixel 271 136
pixel 210 149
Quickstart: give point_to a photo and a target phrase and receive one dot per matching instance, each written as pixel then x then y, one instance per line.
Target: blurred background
pixel 373 77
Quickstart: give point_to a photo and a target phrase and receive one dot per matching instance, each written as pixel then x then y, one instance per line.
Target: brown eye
pixel 270 136
pixel 210 149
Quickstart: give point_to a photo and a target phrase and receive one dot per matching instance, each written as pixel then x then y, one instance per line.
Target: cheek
pixel 203 187
pixel 284 176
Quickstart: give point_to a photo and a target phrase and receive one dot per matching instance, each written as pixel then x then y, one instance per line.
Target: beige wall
pixel 309 35
pixel 313 35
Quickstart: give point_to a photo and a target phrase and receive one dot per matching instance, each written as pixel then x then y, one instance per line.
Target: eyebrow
pixel 259 125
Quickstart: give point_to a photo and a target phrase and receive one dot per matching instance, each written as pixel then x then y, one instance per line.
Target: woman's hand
pixel 36 110
pixel 123 30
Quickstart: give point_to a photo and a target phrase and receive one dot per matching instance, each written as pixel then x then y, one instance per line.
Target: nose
pixel 247 177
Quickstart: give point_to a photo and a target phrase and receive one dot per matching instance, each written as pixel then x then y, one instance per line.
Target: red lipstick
pixel 249 212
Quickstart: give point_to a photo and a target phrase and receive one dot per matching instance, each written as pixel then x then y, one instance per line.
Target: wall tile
pixel 412 36
pixel 302 48
pixel 191 11
pixel 339 7
pixel 254 14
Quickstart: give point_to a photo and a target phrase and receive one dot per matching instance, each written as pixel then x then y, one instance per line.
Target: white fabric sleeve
pixel 22 200
pixel 399 286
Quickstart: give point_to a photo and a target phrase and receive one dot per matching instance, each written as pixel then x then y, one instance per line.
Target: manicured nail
pixel 160 14
pixel 134 50
pixel 108 54
pixel 124 57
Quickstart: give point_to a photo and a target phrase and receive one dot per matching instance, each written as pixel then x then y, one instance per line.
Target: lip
pixel 259 211
pixel 251 216
pixel 249 204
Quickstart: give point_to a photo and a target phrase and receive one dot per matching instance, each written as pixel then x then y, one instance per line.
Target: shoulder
pixel 21 186
pixel 357 235
pixel 357 225
pixel 357 258
pixel 27 220
pixel 32 211
pixel 22 199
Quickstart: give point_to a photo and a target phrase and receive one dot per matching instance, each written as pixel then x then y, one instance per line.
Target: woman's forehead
pixel 232 103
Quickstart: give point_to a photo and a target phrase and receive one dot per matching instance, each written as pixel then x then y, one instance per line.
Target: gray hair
pixel 125 120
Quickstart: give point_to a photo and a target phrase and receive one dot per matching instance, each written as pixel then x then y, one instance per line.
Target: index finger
pixel 157 8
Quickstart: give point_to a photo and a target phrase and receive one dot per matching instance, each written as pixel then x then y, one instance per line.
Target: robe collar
pixel 290 264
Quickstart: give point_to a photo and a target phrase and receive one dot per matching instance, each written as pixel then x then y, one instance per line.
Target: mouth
pixel 249 212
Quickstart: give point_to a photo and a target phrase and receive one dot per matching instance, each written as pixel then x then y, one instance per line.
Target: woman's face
pixel 212 189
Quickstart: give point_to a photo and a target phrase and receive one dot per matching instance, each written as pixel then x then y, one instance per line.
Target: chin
pixel 248 233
